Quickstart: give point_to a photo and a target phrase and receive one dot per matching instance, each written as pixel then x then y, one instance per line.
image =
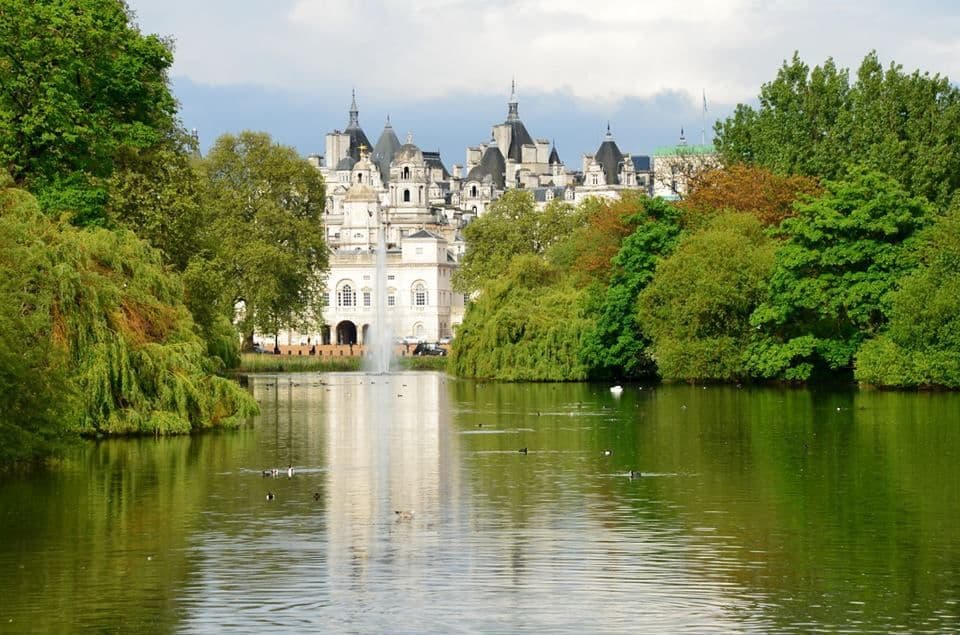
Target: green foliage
pixel 614 344
pixel 34 398
pixel 115 318
pixel 265 206
pixel 79 84
pixel 921 345
pixel 817 123
pixel 525 326
pixel 697 308
pixel 267 363
pixel 155 193
pixel 512 226
pixel 844 253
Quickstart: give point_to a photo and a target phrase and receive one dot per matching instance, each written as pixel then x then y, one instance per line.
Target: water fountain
pixel 380 344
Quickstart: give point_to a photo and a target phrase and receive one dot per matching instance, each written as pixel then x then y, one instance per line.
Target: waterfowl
pixel 290 471
pixel 616 389
pixel 270 496
pixel 608 453
pixel 403 515
pixel 522 450
pixel 635 474
pixel 316 496
pixel 267 473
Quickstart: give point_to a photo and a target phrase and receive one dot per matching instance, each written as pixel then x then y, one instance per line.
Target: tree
pixel 843 255
pixel 526 325
pixel 79 83
pixel 614 345
pixel 155 192
pixel 512 226
pixel 696 309
pixel 816 123
pixel 745 188
pixel 921 344
pixel 101 313
pixel 266 211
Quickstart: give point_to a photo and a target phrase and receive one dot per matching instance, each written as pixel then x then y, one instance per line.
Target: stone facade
pixel 420 207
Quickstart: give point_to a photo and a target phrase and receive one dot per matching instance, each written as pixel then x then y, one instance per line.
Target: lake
pixel 755 510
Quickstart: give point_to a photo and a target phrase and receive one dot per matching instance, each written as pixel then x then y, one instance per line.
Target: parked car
pixel 446 340
pixel 429 349
pixel 258 349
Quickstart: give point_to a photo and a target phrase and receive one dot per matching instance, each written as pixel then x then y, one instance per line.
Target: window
pixel 418 330
pixel 366 297
pixel 391 300
pixel 391 277
pixel 406 175
pixel 419 251
pixel 419 294
pixel 473 191
pixel 346 296
pixel 406 196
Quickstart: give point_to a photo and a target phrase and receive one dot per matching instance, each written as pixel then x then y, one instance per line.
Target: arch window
pixel 346 295
pixel 418 330
pixel 473 191
pixel 419 294
pixel 406 173
pixel 406 196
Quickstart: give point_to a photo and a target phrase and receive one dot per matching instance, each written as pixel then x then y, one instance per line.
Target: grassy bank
pixel 261 363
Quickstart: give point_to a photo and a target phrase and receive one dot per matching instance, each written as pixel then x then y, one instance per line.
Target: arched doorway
pixel 346 332
pixel 365 334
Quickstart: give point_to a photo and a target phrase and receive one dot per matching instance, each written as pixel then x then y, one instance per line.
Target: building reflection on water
pixel 389 448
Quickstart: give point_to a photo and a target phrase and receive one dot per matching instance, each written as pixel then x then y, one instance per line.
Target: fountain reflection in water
pixel 380 344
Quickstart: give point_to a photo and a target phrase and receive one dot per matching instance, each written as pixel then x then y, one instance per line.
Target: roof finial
pixel 388 121
pixel 512 112
pixel 409 137
pixel 683 139
pixel 354 111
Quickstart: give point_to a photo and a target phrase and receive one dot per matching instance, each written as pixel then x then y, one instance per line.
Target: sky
pixel 442 69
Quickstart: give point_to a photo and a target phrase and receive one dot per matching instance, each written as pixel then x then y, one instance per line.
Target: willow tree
pixel 107 318
pixel 265 208
pixel 526 325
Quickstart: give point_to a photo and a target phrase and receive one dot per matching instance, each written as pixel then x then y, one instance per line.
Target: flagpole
pixel 703 126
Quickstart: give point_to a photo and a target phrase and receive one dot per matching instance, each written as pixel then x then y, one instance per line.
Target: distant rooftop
pixel 669 151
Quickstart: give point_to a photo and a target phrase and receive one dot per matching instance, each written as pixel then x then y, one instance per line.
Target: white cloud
pixel 599 51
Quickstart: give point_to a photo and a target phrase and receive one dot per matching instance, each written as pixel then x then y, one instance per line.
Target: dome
pixel 493 165
pixel 408 153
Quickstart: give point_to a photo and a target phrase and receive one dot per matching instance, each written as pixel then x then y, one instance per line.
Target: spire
pixel 512 111
pixel 354 111
pixel 387 125
pixel 609 134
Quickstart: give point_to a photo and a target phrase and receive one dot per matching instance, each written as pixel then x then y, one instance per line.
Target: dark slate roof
pixel 555 157
pixel 346 163
pixel 385 150
pixel 540 193
pixel 609 157
pixel 519 137
pixel 357 136
pixel 641 163
pixel 423 233
pixel 433 160
pixel 493 165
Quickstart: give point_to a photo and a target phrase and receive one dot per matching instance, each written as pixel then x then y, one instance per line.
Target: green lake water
pixel 757 510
